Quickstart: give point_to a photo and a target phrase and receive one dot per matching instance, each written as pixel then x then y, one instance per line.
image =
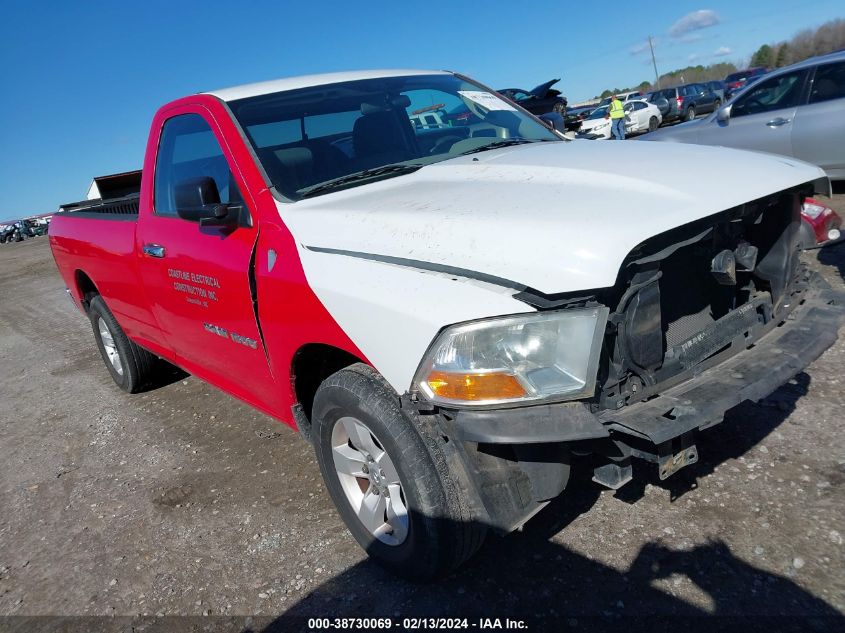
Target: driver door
pixel 762 118
pixel 198 277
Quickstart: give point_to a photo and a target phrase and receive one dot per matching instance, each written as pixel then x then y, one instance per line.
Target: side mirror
pixel 198 200
pixel 723 115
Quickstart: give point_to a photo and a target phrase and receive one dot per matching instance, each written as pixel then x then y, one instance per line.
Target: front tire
pixel 388 478
pixel 131 367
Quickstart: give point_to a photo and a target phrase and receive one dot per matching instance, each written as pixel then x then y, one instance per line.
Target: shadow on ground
pixel 553 587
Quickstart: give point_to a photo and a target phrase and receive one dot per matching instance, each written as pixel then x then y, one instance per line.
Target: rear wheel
pixel 690 113
pixel 131 367
pixel 389 479
pixel 653 124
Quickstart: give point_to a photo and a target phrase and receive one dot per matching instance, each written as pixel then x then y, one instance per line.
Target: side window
pixel 188 149
pixel 775 93
pixel 829 83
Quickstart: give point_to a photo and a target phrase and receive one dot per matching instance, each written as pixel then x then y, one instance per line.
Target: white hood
pixel 556 217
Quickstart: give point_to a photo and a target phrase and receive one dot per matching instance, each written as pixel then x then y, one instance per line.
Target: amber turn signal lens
pixel 453 386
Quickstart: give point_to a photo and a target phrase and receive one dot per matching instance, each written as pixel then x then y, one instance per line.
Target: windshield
pixel 348 132
pixel 598 113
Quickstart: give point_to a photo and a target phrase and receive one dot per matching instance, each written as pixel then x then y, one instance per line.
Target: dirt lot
pixel 183 501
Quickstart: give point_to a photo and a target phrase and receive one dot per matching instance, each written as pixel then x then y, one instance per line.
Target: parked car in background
pixel 575 116
pixel 623 96
pixel 596 126
pixel 820 225
pixel 795 111
pixel 662 103
pixel 688 101
pixel 640 116
pixel 540 100
pixel 738 80
pixel 718 87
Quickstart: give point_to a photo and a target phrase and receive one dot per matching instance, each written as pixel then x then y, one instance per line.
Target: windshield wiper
pixel 505 143
pixel 386 170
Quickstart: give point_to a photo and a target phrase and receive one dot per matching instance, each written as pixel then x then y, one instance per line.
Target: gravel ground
pixel 182 501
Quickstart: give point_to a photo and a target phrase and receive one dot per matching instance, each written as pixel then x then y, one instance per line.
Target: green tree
pixel 764 56
pixel 782 58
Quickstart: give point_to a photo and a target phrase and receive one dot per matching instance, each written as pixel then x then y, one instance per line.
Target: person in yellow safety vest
pixel 616 114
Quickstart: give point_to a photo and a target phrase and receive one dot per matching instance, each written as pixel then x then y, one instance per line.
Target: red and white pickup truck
pixel 448 312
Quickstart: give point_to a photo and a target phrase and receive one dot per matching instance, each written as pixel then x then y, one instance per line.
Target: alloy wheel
pixel 110 347
pixel 370 481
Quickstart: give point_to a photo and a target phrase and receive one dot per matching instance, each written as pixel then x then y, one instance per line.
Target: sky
pixel 82 80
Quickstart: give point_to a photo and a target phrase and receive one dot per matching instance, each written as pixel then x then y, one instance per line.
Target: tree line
pixel 827 38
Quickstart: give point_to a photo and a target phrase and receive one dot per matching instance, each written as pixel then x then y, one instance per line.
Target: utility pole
pixel 654 63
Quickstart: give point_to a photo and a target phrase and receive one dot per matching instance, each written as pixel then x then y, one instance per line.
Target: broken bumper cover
pixel 697 403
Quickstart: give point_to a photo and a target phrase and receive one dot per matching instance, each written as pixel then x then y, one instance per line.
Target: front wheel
pixel 691 114
pixel 717 104
pixel 388 478
pixel 653 124
pixel 560 108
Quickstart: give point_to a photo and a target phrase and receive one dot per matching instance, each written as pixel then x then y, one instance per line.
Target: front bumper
pixel 697 403
pixel 514 461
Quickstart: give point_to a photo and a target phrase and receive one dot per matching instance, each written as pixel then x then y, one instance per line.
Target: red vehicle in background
pixel 820 224
pixel 736 81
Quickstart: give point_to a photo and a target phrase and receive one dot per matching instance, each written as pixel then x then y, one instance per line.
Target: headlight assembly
pixel 520 359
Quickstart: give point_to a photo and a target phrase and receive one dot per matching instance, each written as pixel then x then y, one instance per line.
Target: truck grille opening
pixel 687 298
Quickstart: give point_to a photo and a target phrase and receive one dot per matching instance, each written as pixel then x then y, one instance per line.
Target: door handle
pixel 153 250
pixel 778 122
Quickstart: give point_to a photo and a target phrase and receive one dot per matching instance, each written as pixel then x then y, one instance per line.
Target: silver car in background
pixel 796 111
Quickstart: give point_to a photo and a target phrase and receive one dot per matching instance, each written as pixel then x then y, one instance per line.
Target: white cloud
pixel 642 47
pixel 693 57
pixel 722 51
pixel 689 38
pixel 694 21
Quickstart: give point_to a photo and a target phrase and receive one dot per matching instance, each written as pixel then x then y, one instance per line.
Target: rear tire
pixel 357 420
pixel 690 114
pixel 653 124
pixel 131 366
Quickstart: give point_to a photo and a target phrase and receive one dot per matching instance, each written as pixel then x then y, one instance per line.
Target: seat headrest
pixel 296 165
pixel 400 101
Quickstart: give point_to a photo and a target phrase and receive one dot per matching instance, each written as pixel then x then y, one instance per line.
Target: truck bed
pixel 123 208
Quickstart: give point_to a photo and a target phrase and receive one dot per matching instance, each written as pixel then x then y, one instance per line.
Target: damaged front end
pixel 693 300
pixel 702 318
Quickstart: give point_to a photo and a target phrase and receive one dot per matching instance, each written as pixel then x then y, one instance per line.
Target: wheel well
pixel 87 289
pixel 312 364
